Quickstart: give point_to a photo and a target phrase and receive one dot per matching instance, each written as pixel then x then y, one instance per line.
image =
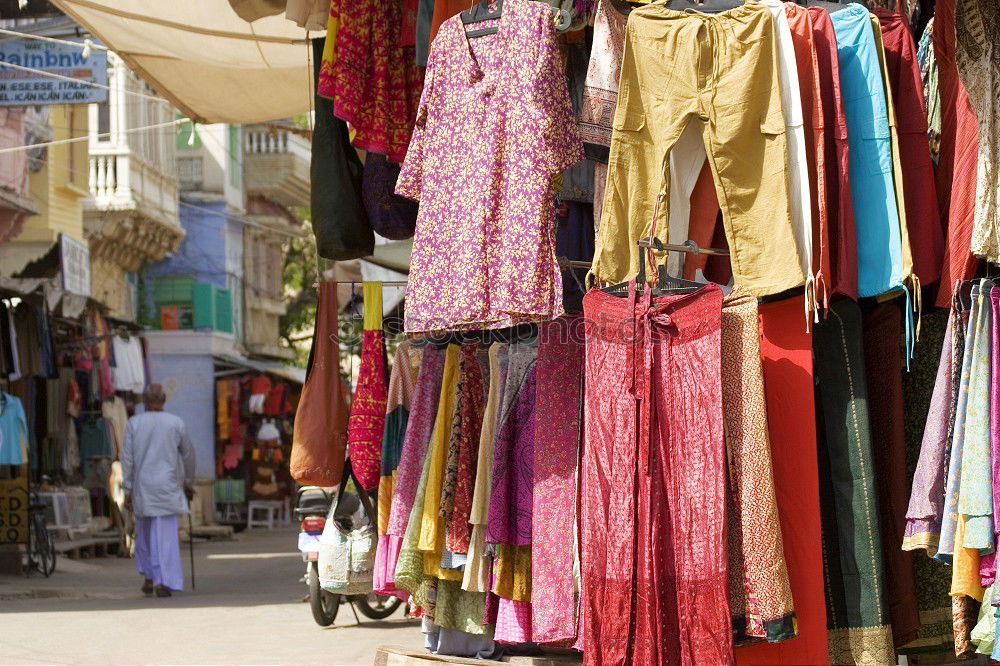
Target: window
pixel 235 157
pixel 189 172
pixel 103 121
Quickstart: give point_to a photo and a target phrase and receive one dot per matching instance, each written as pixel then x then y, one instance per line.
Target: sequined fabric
pixel 652 515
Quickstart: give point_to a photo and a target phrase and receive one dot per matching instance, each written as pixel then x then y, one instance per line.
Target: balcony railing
pixel 277 164
pixel 119 180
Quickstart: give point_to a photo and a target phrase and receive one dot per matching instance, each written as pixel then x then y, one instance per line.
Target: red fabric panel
pixel 956 173
pixel 786 353
pixel 653 522
pixel 843 277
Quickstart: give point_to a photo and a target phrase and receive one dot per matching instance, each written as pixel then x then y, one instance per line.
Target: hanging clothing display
pixel 366 424
pixel 129 372
pixel 857 611
pixel 688 472
pixel 957 159
pixel 786 358
pixel 13 431
pixel 876 216
pixel 628 568
pixel 843 278
pixel 882 331
pixel 600 93
pixel 757 212
pixel 512 116
pixel 926 237
pixel 375 90
pixel 558 429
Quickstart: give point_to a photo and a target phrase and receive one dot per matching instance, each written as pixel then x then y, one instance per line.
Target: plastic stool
pixel 272 513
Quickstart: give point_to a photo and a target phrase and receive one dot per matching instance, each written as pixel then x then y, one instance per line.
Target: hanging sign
pixel 74 259
pixel 14 509
pixel 22 88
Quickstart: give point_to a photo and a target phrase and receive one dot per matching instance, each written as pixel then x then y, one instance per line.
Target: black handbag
pixel 339 221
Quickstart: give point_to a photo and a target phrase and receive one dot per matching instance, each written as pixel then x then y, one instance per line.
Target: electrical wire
pixel 42 38
pixel 87 137
pixel 85 82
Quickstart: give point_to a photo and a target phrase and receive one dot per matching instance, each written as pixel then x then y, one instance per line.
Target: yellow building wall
pixel 60 187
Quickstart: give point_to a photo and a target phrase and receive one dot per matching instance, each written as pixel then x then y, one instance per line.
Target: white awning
pixel 210 63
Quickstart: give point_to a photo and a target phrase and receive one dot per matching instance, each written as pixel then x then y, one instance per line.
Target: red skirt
pixel 653 547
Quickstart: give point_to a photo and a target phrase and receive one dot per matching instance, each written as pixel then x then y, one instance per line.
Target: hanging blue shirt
pixel 13 430
pixel 876 216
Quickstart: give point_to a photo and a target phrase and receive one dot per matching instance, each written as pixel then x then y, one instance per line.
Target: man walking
pixel 158 466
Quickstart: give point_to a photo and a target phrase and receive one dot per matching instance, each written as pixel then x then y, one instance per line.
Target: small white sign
pixel 74 258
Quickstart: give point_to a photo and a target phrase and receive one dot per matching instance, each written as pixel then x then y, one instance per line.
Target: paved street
pixel 247 609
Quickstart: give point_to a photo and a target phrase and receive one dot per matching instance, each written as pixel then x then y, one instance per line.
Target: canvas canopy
pixel 210 63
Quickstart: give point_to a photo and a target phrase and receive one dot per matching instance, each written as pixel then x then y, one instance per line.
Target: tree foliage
pixel 301 276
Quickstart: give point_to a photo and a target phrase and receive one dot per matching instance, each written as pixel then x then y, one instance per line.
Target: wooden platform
pixel 393 656
pixel 97 545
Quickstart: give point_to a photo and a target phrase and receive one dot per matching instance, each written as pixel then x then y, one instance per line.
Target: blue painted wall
pixel 212 250
pixel 189 382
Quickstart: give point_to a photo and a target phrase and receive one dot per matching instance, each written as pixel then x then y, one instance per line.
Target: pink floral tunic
pixel 494 124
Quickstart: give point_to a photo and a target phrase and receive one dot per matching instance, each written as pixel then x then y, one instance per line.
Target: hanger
pixel 481 12
pixel 665 283
pixel 704 6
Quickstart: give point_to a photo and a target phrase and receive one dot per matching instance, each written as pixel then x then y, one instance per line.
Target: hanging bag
pixel 319 437
pixel 338 214
pixel 346 549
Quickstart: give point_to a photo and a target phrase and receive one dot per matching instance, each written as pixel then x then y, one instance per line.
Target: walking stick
pixel 191 548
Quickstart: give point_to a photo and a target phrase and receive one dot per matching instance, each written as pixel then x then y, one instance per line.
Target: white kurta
pixel 157 459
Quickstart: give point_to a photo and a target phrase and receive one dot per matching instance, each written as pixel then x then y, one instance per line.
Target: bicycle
pixel 41 544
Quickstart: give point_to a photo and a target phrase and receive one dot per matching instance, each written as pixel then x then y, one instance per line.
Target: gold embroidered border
pixel 862 645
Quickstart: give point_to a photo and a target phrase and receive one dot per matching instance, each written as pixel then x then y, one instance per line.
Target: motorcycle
pixel 312 506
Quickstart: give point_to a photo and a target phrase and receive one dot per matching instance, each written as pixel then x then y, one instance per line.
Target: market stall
pixel 700 449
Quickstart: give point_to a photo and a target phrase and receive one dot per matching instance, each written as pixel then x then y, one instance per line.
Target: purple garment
pixel 426 395
pixel 557 455
pixel 926 507
pixel 509 516
pixel 494 125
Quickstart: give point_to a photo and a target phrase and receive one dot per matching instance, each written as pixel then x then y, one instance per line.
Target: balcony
pixel 132 215
pixel 276 164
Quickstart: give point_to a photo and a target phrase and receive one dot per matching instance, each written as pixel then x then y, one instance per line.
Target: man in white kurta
pixel 158 466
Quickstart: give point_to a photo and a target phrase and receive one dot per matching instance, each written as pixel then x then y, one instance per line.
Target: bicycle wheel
pixel 49 545
pixel 43 551
pixel 376 606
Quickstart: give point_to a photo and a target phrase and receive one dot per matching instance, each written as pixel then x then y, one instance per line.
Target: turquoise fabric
pixel 975 497
pixel 876 216
pixel 13 427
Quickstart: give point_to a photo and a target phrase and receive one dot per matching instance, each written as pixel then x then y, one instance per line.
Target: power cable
pixel 85 82
pixel 87 137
